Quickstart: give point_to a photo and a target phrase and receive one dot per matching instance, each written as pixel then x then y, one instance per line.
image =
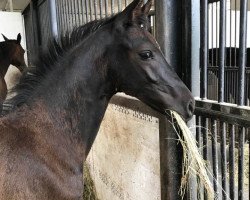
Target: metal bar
pixel 222 40
pixel 119 6
pixel 64 16
pixel 204 132
pixel 95 9
pixel 101 10
pixel 191 46
pixel 235 34
pixel 168 35
pixel 80 12
pixel 73 14
pixel 223 160
pixel 212 36
pixel 106 8
pixel 90 10
pixel 214 132
pixel 225 112
pixel 11 5
pixel 199 141
pixel 168 31
pixel 231 161
pixel 230 23
pixel 77 12
pixel 204 47
pixel 68 15
pixel 241 164
pixel 112 7
pixel 58 14
pixel 242 51
pixel 53 18
pixel 86 10
pixel 83 19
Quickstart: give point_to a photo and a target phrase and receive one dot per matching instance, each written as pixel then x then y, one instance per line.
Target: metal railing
pixel 224 78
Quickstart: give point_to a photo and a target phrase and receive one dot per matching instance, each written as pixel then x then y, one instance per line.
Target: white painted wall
pixel 11 23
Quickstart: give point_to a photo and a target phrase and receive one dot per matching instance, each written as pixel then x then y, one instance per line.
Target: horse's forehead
pixel 136 34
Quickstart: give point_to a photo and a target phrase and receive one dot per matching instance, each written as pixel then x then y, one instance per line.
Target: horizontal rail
pixel 230 113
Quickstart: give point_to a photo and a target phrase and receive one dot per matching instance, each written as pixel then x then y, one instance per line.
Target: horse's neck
pixel 4 61
pixel 73 120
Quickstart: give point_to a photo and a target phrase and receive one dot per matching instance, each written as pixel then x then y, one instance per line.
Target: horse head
pixel 16 52
pixel 140 67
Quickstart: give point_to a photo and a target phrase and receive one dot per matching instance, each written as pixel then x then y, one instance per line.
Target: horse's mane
pixel 46 61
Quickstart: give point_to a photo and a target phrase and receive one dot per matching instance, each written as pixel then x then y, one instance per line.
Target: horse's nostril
pixel 190 108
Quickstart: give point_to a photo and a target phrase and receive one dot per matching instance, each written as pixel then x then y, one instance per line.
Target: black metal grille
pixel 74 13
pixel 223 126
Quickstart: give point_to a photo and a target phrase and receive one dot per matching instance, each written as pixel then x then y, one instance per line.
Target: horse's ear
pixel 5 38
pixel 133 11
pixel 146 8
pixel 19 38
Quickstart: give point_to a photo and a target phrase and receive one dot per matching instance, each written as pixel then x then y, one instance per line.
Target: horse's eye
pixel 145 55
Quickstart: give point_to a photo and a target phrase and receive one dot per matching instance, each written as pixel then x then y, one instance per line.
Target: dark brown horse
pixel 11 53
pixel 61 103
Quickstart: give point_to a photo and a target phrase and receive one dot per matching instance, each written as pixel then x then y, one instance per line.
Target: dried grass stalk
pixel 193 161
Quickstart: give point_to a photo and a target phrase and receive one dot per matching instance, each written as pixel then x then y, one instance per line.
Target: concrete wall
pixel 11 23
pixel 125 160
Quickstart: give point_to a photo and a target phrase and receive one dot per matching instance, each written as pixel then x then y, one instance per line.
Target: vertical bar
pixel 106 8
pixel 58 14
pixel 168 31
pixel 222 40
pixel 101 5
pixel 80 6
pixel 119 6
pixel 212 36
pixel 65 22
pixel 217 46
pixel 112 7
pixel 95 9
pixel 168 35
pixel 86 10
pixel 204 47
pixel 82 12
pixel 214 131
pixel 231 161
pixel 77 10
pixel 11 5
pixel 191 46
pixel 230 63
pixel 199 145
pixel 53 18
pixel 204 125
pixel 241 163
pixel 72 14
pixel 223 159
pixel 242 51
pixel 235 34
pixel 69 23
pixel 90 10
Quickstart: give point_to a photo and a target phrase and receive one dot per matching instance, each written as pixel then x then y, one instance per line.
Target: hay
pixel 192 160
pixel 89 192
